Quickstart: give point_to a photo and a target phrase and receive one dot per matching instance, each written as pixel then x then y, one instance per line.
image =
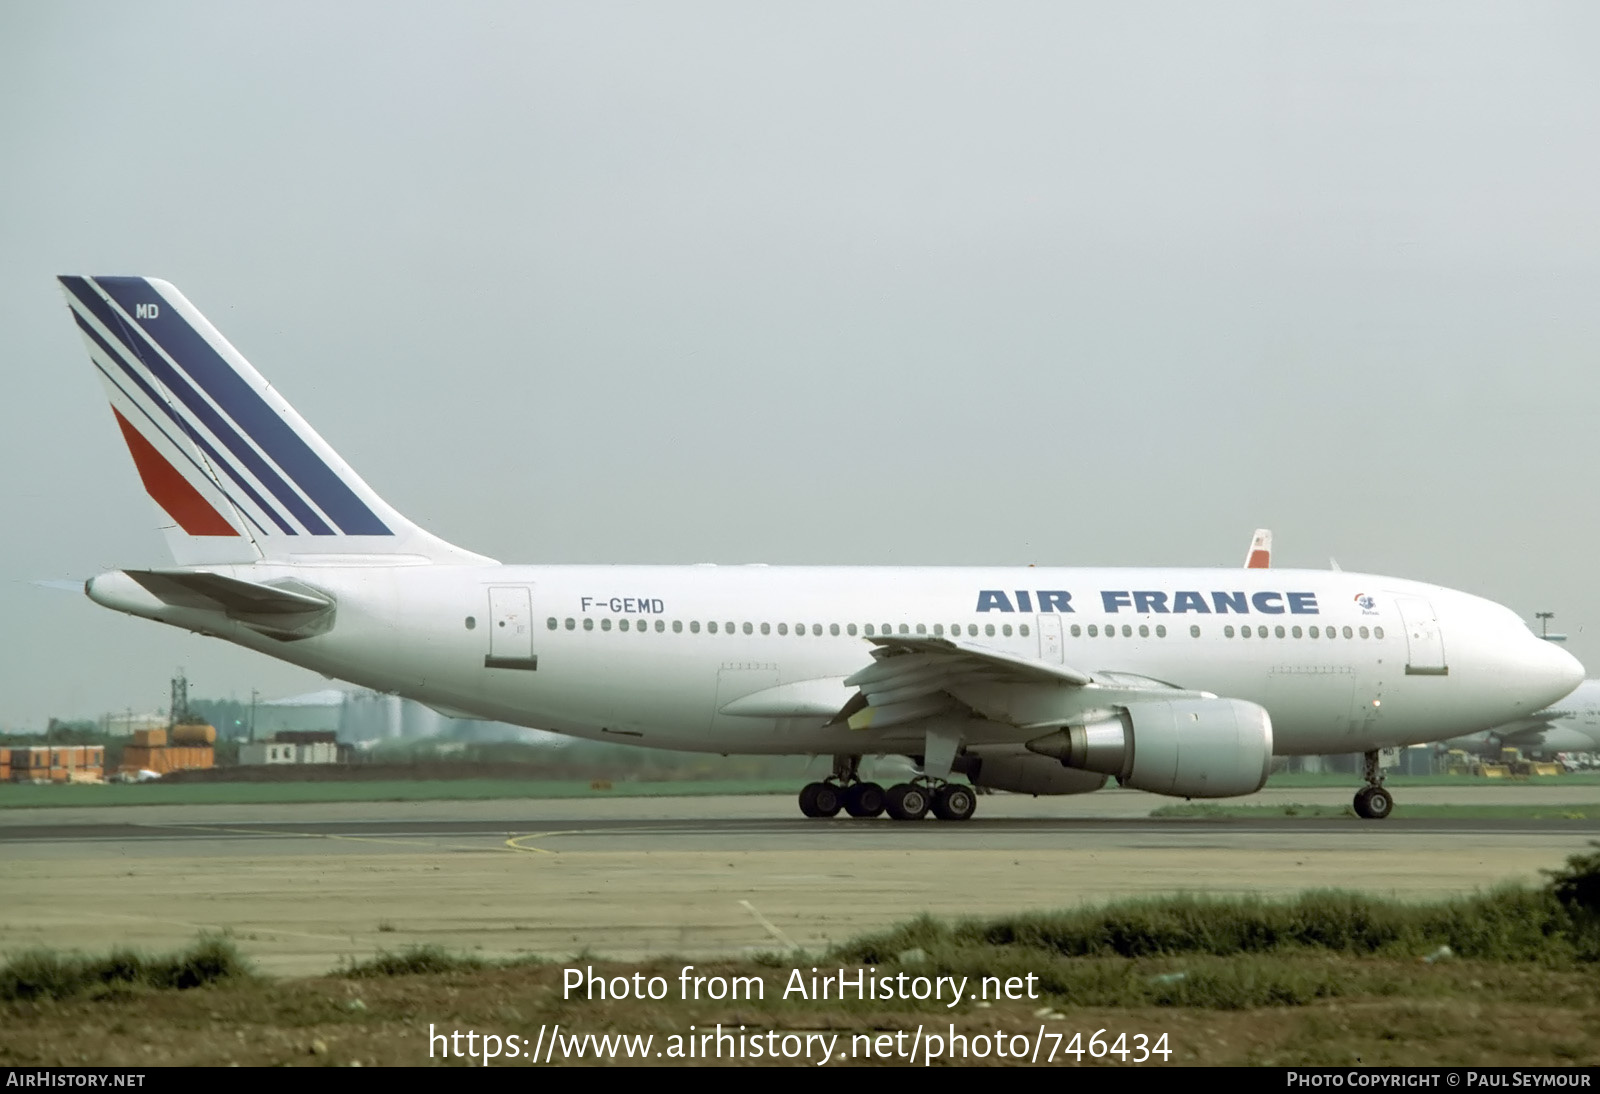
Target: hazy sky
pixel 853 282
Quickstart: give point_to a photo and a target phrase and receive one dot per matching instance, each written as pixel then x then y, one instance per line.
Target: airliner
pixel 1036 680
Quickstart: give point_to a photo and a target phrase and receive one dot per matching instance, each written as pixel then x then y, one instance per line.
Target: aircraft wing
pixel 910 678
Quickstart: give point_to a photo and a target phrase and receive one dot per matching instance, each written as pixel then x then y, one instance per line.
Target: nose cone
pixel 1557 669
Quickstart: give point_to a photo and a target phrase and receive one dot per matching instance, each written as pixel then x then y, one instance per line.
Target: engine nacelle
pixel 1189 748
pixel 1022 772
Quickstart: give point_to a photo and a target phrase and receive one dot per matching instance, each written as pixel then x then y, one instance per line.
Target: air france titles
pixel 1156 601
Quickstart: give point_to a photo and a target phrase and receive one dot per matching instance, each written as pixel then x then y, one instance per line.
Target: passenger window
pixel 551 623
pixel 955 630
pixel 972 630
pixel 766 628
pixel 1077 631
pixel 730 628
pixel 588 623
pixel 1314 633
pixel 1364 632
pixel 472 622
pixel 748 629
pixel 641 625
pixel 622 624
pixel 988 629
pixel 605 624
pixel 677 626
pixel 1348 633
pixel 833 629
pixel 711 628
pixel 694 626
pixel 1161 630
pixel 1227 632
pixel 1295 631
pixel 938 630
pixel 661 625
pixel 868 630
pixel 850 630
pixel 1094 631
pixel 904 629
pixel 1144 631
pixel 1279 631
pixel 1377 632
pixel 1194 630
pixel 1023 630
pixel 887 630
pixel 1005 630
pixel 571 623
pixel 1127 630
pixel 816 629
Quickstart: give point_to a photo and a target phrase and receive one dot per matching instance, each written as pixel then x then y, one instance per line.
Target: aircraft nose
pixel 1558 669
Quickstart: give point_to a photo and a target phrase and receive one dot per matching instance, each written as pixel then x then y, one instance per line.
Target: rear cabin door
pixel 511 628
pixel 1424 642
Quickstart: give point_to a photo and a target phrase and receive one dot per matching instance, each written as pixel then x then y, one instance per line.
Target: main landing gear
pixel 1373 801
pixel 844 790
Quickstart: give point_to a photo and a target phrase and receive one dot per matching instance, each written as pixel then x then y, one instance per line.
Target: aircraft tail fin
pixel 1259 557
pixel 238 475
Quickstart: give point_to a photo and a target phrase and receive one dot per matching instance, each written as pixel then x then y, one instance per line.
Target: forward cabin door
pixel 1050 639
pixel 1424 642
pixel 511 628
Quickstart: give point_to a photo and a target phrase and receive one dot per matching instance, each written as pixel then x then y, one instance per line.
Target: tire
pixel 864 800
pixel 954 802
pixel 1379 803
pixel 906 802
pixel 819 800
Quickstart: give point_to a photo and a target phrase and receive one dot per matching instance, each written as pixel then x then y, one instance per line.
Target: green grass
pixel 1289 781
pixel 44 974
pixel 22 795
pixel 1451 812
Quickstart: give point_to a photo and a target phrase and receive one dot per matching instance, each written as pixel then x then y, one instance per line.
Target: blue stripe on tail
pixel 247 408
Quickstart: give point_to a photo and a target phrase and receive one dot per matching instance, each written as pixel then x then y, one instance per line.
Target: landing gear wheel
pixel 1373 803
pixel 864 800
pixel 820 800
pixel 907 801
pixel 954 802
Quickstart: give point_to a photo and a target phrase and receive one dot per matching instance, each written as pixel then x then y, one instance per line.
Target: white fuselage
pixel 654 655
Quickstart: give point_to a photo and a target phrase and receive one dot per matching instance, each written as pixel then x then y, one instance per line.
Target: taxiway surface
pixel 303 887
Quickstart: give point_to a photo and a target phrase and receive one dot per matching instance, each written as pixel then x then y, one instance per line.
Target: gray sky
pixel 852 283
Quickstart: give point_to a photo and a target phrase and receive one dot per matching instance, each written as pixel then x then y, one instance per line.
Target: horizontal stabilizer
pixel 209 592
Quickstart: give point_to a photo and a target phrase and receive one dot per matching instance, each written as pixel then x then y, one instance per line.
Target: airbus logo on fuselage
pixel 1158 601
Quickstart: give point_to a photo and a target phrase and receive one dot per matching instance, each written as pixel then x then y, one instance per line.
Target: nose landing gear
pixel 1373 801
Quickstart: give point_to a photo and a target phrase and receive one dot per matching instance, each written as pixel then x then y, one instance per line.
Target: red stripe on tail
pixel 1259 560
pixel 171 490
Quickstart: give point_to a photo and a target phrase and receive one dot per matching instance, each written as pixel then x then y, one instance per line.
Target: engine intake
pixel 1189 748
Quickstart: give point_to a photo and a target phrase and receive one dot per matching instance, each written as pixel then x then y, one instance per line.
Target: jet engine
pixel 1190 748
pixel 1023 772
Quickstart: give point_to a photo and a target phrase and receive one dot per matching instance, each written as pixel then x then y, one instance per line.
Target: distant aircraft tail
pixel 1259 557
pixel 239 476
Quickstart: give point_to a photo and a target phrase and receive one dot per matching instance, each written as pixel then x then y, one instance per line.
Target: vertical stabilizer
pixel 238 475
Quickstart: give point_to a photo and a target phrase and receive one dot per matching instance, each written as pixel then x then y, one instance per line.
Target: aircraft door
pixel 1424 642
pixel 511 629
pixel 1050 639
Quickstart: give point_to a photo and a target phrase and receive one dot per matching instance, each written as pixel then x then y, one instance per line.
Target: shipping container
pixel 150 738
